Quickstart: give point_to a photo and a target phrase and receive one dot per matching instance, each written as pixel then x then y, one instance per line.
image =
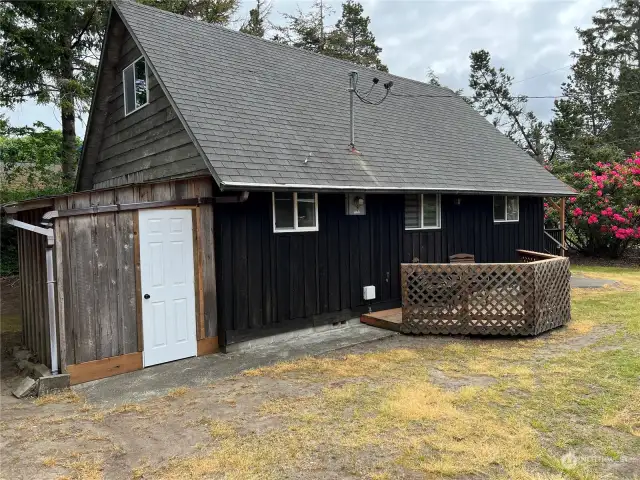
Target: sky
pixel 528 38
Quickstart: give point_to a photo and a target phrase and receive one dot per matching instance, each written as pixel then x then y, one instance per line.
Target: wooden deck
pixel 388 319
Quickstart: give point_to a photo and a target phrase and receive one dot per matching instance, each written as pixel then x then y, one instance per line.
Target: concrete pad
pixel 198 371
pixel 26 388
pixel 52 383
pixel 579 281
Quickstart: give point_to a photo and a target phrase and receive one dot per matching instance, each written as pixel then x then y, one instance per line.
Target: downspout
pixel 51 289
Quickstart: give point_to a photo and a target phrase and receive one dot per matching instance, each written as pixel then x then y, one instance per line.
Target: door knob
pixel 147 296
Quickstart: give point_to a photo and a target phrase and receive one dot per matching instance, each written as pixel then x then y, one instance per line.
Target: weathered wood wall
pixel 96 269
pixel 270 282
pixel 33 286
pixel 148 144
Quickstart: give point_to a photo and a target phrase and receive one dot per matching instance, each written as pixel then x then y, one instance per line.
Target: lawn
pixel 564 405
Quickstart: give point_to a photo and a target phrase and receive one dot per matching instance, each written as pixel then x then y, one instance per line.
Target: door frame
pixel 204 345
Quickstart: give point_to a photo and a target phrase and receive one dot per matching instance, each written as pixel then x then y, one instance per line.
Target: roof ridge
pixel 282 45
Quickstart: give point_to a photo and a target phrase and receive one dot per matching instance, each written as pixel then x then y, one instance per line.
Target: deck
pixel 389 319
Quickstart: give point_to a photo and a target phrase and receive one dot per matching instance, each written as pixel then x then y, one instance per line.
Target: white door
pixel 167 285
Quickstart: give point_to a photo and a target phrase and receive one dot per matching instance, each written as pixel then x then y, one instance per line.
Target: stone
pixel 52 383
pixel 26 387
pixel 40 370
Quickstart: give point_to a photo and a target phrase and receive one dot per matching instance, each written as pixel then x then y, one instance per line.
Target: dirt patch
pixel 456 383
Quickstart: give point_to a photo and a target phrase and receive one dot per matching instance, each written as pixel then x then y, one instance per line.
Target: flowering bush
pixel 604 216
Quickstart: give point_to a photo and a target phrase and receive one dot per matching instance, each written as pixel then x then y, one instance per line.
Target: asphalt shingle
pixel 267 113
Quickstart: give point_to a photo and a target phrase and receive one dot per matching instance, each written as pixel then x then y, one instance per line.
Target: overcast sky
pixel 528 38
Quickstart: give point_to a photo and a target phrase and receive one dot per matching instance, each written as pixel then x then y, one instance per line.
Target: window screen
pixel 412 211
pixel 499 208
pixel 283 207
pixel 430 216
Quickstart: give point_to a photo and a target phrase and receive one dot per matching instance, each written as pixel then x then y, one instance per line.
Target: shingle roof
pixel 267 114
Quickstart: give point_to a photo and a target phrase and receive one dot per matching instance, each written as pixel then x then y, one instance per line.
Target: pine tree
pixel 305 30
pixel 352 40
pixel 210 11
pixel 257 16
pixel 49 54
pixel 493 98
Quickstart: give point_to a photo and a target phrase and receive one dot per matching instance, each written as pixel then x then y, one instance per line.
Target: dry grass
pixel 177 392
pixel 63 396
pixel 626 419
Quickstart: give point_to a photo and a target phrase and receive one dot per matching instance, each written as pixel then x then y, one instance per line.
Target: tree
pixel 352 40
pixel 30 162
pixel 49 54
pixel 492 97
pixel 210 11
pixel 257 16
pixel 305 30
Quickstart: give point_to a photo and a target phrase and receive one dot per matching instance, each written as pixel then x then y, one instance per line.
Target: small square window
pixel 135 83
pixel 295 212
pixel 422 211
pixel 506 208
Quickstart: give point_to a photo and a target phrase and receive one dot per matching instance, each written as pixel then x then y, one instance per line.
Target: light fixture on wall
pixel 457 201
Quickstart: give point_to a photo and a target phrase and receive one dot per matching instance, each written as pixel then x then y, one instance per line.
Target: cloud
pixel 528 38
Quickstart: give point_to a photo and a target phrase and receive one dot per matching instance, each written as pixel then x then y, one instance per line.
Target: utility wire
pixel 527 97
pixel 542 74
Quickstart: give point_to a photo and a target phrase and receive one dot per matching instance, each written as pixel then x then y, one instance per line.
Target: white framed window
pixel 506 208
pixel 135 81
pixel 422 211
pixel 295 212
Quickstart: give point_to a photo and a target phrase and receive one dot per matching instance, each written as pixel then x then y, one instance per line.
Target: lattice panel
pixel 487 299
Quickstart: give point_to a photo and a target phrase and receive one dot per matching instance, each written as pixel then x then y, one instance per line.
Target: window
pixel 295 212
pixel 506 209
pixel 422 211
pixel 136 92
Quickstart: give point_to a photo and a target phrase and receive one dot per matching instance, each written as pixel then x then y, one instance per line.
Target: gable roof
pixel 265 115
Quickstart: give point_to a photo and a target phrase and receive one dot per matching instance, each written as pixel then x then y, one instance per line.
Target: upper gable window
pixel 506 208
pixel 136 86
pixel 422 211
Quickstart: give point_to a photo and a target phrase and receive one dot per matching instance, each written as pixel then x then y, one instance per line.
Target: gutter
pixel 51 292
pixel 378 189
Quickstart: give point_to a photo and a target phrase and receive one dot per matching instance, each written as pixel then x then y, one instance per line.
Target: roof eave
pixel 231 185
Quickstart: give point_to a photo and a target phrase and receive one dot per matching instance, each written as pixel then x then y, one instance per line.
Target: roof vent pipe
pixel 353 75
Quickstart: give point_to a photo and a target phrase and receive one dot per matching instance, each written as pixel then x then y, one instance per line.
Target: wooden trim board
pixel 207 346
pixel 136 260
pixel 107 367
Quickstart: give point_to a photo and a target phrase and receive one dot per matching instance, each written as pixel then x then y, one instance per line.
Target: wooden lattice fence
pixel 487 299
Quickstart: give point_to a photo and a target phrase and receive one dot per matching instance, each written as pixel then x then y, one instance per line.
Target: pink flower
pixel 592 219
pixel 577 212
pixel 571 200
pixel 619 218
pixel 614 228
pixel 599 193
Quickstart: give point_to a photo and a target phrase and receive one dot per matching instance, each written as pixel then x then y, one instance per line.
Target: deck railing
pixel 487 298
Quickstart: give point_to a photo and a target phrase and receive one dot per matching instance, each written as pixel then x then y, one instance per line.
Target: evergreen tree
pixel 305 30
pixel 210 11
pixel 49 54
pixel 352 40
pixel 257 16
pixel 492 97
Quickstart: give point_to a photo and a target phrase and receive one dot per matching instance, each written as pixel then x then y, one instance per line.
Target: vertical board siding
pixel 271 282
pixel 33 287
pixel 96 272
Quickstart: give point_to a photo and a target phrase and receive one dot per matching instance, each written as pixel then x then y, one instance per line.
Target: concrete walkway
pixel 194 372
pixel 580 281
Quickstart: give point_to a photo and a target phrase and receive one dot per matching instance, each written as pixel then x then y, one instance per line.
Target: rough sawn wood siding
pixel 270 282
pixel 33 286
pixel 148 144
pixel 96 271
